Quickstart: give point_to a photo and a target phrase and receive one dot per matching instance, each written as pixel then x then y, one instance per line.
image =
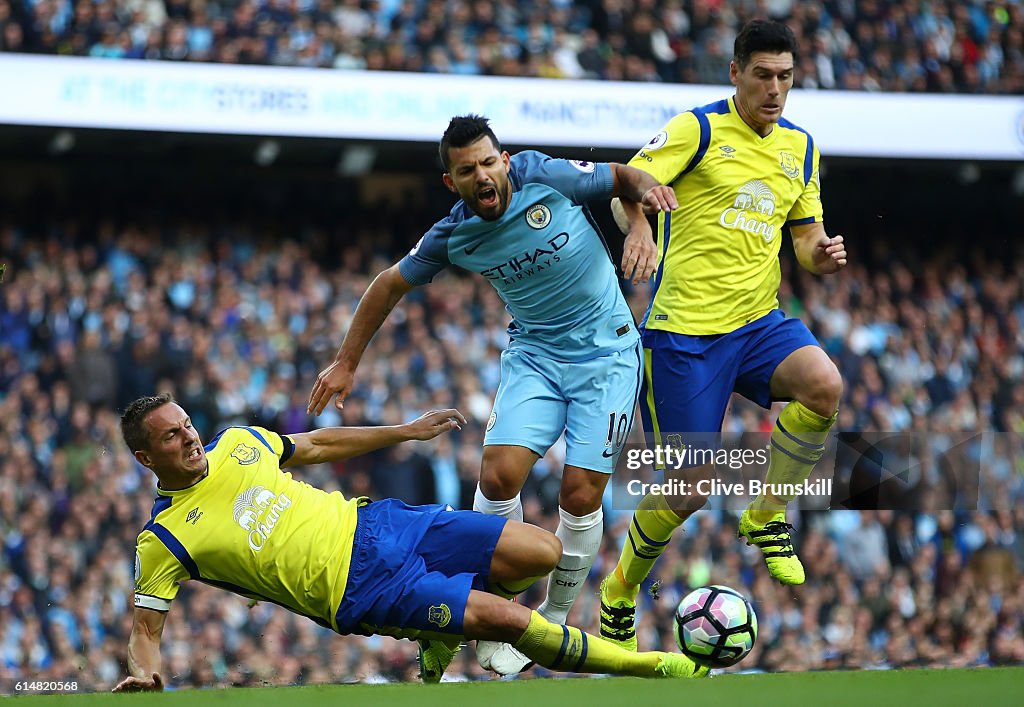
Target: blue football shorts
pixel 413 567
pixel 592 401
pixel 688 379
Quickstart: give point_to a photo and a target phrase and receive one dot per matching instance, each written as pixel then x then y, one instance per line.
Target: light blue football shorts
pixel 591 401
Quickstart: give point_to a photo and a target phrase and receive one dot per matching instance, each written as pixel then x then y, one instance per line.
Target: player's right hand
pixel 639 254
pixel 434 423
pixel 336 379
pixel 659 198
pixel 133 684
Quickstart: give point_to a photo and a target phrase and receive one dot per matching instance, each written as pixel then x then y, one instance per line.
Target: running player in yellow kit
pixel 228 515
pixel 741 173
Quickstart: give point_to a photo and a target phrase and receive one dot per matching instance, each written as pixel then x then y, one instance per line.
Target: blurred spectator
pixel 942 46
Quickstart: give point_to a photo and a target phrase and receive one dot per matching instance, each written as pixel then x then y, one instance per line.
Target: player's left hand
pixel 639 255
pixel 829 255
pixel 434 423
pixel 659 198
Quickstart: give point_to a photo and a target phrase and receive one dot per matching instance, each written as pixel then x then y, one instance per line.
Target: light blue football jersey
pixel 545 256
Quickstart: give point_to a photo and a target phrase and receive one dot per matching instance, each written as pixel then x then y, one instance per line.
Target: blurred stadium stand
pixel 947 46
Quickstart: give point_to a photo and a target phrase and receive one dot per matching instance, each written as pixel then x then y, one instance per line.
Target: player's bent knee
pixel 689 502
pixel 693 494
pixel 504 471
pixel 824 389
pixel 545 552
pixel 525 551
pixel 833 385
pixel 549 552
pixel 581 501
pixel 582 490
pixel 497 487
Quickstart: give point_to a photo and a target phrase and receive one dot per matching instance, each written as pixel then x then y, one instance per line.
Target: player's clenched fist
pixel 830 254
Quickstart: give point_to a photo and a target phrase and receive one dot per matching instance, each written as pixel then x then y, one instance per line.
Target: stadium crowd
pixel 902 45
pixel 237 326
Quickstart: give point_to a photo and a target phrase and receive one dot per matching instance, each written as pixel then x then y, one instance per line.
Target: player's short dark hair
pixel 763 36
pixel 133 427
pixel 465 130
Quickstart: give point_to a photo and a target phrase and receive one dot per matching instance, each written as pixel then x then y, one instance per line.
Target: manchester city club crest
pixel 538 216
pixel 790 165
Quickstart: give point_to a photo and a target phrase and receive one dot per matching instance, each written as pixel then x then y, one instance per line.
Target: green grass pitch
pixel 930 688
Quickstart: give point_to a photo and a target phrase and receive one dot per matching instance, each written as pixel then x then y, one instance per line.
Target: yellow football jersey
pixel 736 190
pixel 250 528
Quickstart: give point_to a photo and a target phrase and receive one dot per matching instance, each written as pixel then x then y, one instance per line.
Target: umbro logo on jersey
pixel 194 515
pixel 470 251
pixel 727 151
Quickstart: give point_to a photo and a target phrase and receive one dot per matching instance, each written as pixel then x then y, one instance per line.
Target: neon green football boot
pixel 435 657
pixel 618 619
pixel 677 665
pixel 774 540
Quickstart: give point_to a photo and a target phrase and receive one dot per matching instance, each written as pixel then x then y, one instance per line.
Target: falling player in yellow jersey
pixel 229 516
pixel 740 173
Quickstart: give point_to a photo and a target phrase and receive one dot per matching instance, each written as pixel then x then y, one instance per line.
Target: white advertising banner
pixel 272 101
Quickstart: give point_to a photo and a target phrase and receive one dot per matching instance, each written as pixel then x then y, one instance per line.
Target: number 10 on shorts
pixel 618 428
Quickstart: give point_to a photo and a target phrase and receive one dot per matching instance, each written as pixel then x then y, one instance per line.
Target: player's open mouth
pixel 194 454
pixel 488 196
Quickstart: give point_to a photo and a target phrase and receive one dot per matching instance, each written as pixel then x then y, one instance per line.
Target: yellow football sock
pixel 509 590
pixel 649 532
pixel 798 442
pixel 568 648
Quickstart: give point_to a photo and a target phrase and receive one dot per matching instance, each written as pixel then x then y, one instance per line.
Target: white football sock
pixel 581 539
pixel 511 509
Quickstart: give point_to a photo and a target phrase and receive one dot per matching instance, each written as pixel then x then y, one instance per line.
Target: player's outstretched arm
pixel 386 290
pixel 633 184
pixel 816 251
pixel 144 653
pixel 335 443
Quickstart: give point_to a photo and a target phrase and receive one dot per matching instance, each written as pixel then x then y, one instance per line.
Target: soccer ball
pixel 715 626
